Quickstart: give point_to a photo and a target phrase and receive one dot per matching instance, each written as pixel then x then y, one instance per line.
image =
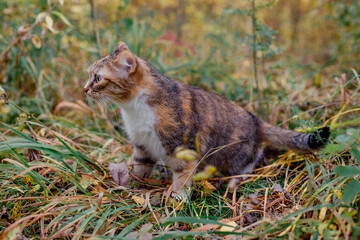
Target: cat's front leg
pixel 183 173
pixel 143 164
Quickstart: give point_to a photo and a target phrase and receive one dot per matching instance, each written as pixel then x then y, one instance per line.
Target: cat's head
pixel 115 77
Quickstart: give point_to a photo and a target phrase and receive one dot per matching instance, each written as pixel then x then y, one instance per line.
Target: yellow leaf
pixel 230 228
pixel 36 41
pixel 87 181
pixel 205 174
pixel 35 188
pixel 138 200
pixel 62 17
pixel 40 17
pixel 186 154
pixel 338 193
pixel 15 215
pixel 29 180
pixel 323 213
pixel 98 189
pixel 208 186
pixel 49 24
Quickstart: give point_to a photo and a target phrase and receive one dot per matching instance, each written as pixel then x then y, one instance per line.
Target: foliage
pixel 55 146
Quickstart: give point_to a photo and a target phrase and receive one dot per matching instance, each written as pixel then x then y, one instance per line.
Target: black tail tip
pixel 319 138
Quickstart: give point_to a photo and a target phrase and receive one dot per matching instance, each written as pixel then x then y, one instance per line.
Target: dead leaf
pixel 207 186
pixel 205 174
pixel 23 32
pixel 138 200
pixel 133 235
pixel 3 96
pixel 36 41
pixel 186 154
pixel 277 188
pixel 120 173
pixel 253 197
pixel 143 234
pixel 14 234
pixel 40 17
pixel 230 228
pixel 16 212
pixel 87 181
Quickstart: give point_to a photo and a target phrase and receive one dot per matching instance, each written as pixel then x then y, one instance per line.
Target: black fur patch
pixel 319 138
pixel 146 160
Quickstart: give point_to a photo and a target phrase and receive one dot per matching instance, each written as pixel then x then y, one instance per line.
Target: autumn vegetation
pixel 293 63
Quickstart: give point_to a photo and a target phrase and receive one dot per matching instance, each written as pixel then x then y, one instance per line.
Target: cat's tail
pixel 299 142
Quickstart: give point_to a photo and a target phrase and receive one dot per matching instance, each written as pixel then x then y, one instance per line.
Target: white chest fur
pixel 139 119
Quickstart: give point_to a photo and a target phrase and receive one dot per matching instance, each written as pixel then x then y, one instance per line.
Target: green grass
pixel 66 191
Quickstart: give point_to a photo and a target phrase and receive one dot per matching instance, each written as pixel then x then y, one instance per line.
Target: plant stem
pixel 96 30
pixel 253 16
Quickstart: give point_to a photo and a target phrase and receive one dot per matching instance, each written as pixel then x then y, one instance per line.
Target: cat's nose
pixel 86 90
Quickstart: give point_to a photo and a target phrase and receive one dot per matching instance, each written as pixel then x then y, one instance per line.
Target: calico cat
pixel 159 113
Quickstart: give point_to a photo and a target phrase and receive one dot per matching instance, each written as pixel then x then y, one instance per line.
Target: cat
pixel 159 114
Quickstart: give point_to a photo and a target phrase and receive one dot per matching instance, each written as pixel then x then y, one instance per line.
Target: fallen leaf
pixel 16 212
pixel 186 154
pixel 207 186
pixel 253 197
pixel 138 200
pixel 14 234
pixel 120 173
pixel 87 181
pixel 205 174
pixel 277 188
pixel 230 228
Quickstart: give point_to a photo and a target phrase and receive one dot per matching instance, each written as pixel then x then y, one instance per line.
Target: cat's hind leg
pixel 234 182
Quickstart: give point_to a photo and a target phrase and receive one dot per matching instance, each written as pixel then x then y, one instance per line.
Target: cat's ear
pixel 119 47
pixel 125 57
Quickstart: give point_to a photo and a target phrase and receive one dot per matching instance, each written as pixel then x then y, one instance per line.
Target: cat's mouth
pixel 92 94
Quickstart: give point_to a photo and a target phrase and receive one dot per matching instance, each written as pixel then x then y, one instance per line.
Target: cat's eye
pixel 98 78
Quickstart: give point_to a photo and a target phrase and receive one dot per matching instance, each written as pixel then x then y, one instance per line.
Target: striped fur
pixel 160 113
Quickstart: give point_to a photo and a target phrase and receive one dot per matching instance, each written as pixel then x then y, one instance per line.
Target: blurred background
pixel 299 48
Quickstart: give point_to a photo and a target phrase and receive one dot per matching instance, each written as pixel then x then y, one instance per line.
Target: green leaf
pixel 351 190
pixel 347 171
pixel 355 154
pixel 62 17
pixel 334 148
pixel 353 132
pixel 344 138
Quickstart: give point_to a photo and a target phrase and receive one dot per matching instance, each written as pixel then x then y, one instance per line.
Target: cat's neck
pixel 154 89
